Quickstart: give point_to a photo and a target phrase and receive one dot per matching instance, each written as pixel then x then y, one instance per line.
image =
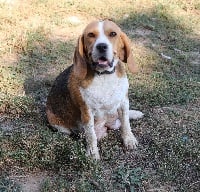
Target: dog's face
pixel 101 45
pixel 100 41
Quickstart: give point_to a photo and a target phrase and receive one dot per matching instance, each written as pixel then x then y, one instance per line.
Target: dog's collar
pixel 105 72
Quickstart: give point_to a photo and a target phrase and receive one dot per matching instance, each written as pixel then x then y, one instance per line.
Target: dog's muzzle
pixel 103 63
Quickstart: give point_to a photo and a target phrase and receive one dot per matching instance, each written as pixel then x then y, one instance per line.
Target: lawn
pixel 37 41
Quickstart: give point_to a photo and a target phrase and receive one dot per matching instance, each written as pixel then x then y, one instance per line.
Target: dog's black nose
pixel 102 47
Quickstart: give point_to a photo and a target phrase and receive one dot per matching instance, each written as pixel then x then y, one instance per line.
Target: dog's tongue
pixel 102 62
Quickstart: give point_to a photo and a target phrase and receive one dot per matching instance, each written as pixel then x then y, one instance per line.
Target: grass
pixel 37 40
pixel 8 185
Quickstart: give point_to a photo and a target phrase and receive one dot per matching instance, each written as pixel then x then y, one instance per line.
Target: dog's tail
pixel 134 114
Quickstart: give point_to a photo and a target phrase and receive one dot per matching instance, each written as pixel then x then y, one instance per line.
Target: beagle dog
pixel 92 94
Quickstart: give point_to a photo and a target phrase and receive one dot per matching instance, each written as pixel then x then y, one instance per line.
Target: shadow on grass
pixel 43 60
pixel 173 79
pixel 168 54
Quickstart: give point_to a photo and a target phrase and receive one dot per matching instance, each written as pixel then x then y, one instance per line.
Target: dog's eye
pixel 113 34
pixel 91 35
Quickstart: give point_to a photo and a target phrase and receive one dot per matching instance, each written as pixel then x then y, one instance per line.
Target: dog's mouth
pixel 103 62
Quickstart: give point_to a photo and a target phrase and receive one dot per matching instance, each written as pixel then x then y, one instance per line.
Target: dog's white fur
pixel 105 99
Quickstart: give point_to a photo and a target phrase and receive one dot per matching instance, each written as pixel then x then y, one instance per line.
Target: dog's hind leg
pixel 62 129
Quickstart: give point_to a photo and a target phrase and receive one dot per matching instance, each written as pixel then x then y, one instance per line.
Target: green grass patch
pixel 8 185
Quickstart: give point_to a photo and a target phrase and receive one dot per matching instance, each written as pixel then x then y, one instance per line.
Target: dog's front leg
pixel 128 138
pixel 91 138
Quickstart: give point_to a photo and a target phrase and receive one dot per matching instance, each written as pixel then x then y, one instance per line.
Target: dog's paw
pixel 130 141
pixel 134 114
pixel 93 152
pixel 101 132
pixel 114 125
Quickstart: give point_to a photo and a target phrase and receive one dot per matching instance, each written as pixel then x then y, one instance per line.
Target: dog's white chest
pixel 105 93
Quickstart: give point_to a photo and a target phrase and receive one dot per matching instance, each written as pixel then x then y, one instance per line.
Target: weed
pixel 128 178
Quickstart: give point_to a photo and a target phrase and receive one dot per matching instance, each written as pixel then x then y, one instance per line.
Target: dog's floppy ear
pixel 125 53
pixel 79 60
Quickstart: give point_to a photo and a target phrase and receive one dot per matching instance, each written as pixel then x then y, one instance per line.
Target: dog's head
pixel 100 47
